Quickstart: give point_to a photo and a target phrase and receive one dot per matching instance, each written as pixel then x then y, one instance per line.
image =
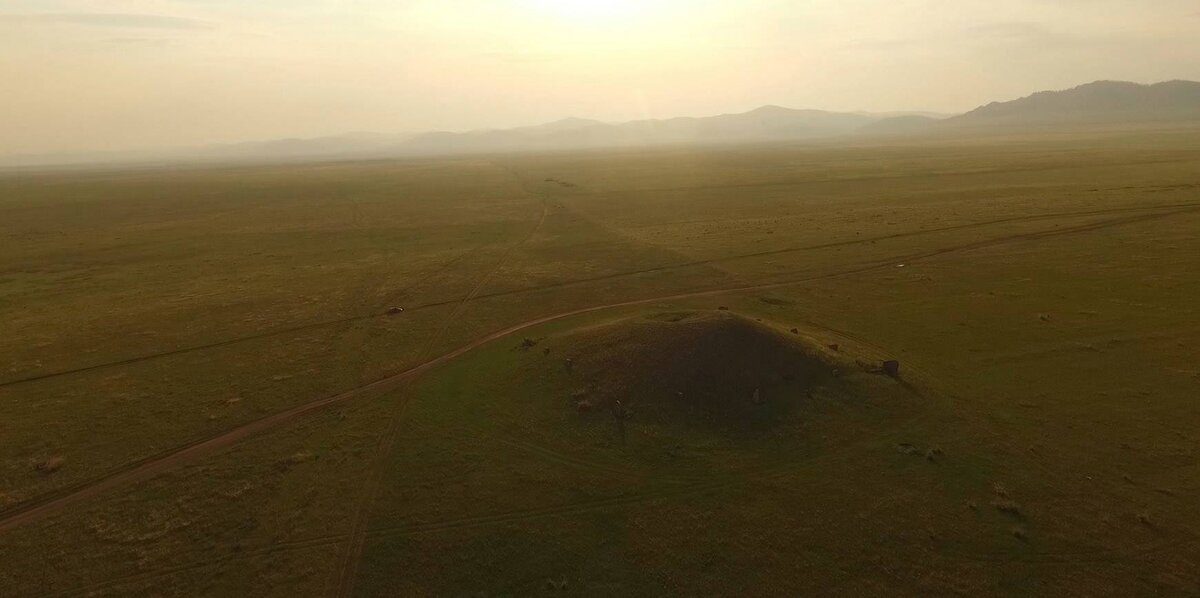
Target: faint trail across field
pixel 691 488
pixel 579 281
pixel 348 571
pixel 685 488
pixel 151 466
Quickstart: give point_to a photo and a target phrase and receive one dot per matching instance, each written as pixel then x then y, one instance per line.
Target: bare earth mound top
pixel 695 368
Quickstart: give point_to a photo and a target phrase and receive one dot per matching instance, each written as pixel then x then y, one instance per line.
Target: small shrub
pixel 49 465
pixel 1010 507
pixel 891 367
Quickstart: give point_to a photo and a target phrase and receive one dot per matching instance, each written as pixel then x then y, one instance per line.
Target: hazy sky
pixel 123 74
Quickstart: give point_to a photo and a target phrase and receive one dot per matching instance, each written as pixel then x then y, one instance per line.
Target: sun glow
pixel 593 11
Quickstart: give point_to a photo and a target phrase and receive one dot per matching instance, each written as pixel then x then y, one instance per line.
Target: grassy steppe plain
pixel 1045 317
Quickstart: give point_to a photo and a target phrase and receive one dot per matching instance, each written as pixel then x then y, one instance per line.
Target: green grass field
pixel 1041 295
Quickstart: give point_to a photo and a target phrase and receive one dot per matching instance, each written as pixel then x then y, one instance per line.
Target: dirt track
pixel 150 467
pixel 579 281
pixel 358 535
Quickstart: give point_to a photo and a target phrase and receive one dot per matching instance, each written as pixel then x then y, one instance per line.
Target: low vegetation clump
pixel 1010 507
pixel 49 465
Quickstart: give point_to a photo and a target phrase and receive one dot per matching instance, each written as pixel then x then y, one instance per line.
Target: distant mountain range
pixel 1099 102
pixel 769 123
pixel 1105 103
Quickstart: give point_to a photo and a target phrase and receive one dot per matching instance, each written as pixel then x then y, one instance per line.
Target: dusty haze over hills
pixel 115 75
pixel 1103 104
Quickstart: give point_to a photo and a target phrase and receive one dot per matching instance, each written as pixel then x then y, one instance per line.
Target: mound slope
pixel 697 368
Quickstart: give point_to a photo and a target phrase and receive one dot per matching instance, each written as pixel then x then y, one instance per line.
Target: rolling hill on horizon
pixel 766 123
pixel 1096 103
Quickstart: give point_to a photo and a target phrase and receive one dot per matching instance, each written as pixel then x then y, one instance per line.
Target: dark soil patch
pixel 704 368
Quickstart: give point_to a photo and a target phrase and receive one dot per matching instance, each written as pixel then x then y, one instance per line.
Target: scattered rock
pixel 569 364
pixel 50 465
pixel 546 351
pixel 1144 519
pixel 621 412
pixel 392 311
pixel 723 308
pixel 834 347
pixel 1044 317
pixel 907 449
pixel 1010 507
pixel 285 464
pixel 891 367
pixel 795 331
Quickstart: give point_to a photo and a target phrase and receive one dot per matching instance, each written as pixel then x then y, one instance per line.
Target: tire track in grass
pixel 348 570
pixel 580 281
pixel 132 465
pixel 149 467
pixel 430 273
pixel 766 473
pixel 729 480
pixel 432 527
